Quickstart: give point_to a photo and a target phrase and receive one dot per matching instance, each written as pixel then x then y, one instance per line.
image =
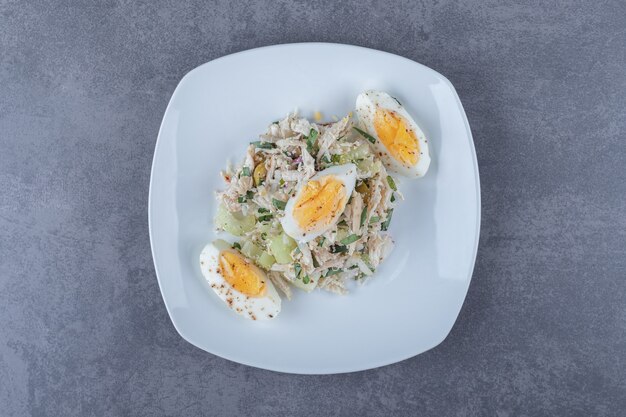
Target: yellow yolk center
pixel 242 275
pixel 319 203
pixel 397 136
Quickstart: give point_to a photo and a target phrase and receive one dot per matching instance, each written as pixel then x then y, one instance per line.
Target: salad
pixel 310 205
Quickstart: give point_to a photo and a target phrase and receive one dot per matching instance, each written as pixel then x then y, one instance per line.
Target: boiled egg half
pixel 318 202
pixel 243 286
pixel 399 141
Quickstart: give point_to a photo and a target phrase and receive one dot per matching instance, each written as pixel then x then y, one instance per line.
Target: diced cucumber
pixel 221 244
pixel 257 254
pixel 265 260
pixel 235 224
pixel 264 227
pixel 281 247
pixel 344 159
pixel 365 165
pixel 369 166
pixel 358 153
pixel 251 250
pixel 341 234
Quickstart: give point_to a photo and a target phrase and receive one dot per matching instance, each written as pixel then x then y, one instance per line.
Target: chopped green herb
pixel 263 210
pixel 342 223
pixel 280 205
pixel 354 267
pixel 264 235
pixel 333 271
pixel 385 225
pixel 310 140
pixel 338 249
pixel 363 216
pixel 325 159
pixel 306 279
pixel 366 135
pixel 281 182
pixel 335 158
pixel 296 250
pixel 391 183
pixel 263 145
pixel 275 123
pixel 349 239
pixel 298 269
pixel 236 245
pixel 315 263
pixel 266 217
pixel 322 240
pixel 340 137
pixel 243 198
pixel 393 197
pixel 245 171
pixel 374 219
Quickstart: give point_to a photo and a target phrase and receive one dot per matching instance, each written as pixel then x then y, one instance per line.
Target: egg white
pixel 344 173
pixel 366 105
pixel 254 308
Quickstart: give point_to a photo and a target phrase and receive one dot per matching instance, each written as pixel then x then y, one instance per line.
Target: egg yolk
pixel 319 203
pixel 241 275
pixel 399 139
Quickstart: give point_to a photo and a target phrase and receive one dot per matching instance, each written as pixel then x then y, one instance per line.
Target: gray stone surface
pixel 83 329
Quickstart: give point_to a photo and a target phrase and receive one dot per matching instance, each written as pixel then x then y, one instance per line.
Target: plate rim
pixel 373 364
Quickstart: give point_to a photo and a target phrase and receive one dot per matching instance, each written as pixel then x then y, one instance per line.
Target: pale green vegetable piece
pixel 365 165
pixel 251 250
pixel 370 166
pixel 235 224
pixel 264 227
pixel 265 260
pixel 222 244
pixel 344 159
pixel 341 233
pixel 257 254
pixel 359 153
pixel 281 247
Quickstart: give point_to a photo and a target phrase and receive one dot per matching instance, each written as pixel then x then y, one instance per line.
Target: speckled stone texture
pixel 83 328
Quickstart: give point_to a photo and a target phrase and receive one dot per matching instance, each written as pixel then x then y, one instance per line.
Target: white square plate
pixel 413 300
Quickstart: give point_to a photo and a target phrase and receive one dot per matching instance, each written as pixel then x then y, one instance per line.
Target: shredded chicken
pixel 282 284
